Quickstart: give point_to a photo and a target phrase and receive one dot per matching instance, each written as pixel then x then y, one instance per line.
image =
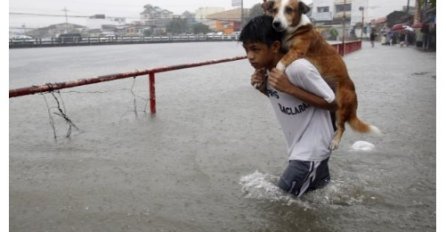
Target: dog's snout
pixel 276 24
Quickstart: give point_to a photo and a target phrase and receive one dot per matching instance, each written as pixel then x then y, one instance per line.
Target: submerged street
pixel 209 159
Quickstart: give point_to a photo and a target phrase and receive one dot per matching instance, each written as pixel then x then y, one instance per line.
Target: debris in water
pixel 363 146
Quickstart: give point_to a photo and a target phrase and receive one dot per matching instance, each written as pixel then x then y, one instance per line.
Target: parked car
pixel 21 39
pixel 69 38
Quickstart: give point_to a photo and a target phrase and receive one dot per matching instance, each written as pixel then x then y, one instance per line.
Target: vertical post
pixel 343 28
pixel 416 18
pixel 242 16
pixel 407 8
pixel 66 19
pixel 361 8
pixel 152 93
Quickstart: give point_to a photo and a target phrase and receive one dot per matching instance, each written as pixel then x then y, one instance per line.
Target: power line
pixel 25 28
pixel 63 15
pixel 112 17
pixel 47 15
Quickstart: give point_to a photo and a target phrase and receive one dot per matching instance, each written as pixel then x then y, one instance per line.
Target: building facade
pixel 228 21
pixel 322 11
pixel 155 18
pixel 202 13
pixel 330 16
pixel 333 12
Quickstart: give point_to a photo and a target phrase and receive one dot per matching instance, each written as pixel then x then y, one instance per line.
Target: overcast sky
pixel 132 8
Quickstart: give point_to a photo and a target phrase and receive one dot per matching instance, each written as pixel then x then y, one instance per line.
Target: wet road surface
pixel 210 157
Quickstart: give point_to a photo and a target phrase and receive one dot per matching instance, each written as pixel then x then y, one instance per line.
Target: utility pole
pixel 242 14
pixel 417 16
pixel 361 8
pixel 343 28
pixel 66 19
pixel 24 29
pixel 407 9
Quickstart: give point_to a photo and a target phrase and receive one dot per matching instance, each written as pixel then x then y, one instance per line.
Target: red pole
pixel 152 93
pixel 69 84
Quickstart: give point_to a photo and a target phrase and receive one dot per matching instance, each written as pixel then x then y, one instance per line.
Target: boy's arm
pixel 280 82
pixel 258 80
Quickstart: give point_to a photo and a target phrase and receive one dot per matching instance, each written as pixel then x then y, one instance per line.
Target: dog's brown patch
pixel 307 43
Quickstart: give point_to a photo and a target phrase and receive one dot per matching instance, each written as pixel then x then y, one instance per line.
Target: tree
pixel 432 3
pixel 177 26
pixel 200 28
pixel 333 33
pixel 256 10
pixel 147 32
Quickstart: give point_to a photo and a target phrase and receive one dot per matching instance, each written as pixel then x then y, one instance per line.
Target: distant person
pixel 403 39
pixel 394 38
pixel 425 39
pixel 418 38
pixel 301 100
pixel 372 37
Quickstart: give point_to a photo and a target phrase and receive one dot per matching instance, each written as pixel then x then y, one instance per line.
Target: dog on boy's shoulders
pixel 303 41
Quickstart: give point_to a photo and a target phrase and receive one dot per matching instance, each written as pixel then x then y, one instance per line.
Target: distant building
pixel 342 8
pixel 322 11
pixel 331 12
pixel 56 29
pixel 98 20
pixel 202 13
pixel 227 21
pixel 156 18
pixel 331 15
pixel 99 24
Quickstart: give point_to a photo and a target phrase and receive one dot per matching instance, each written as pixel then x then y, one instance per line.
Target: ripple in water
pixel 259 185
pixel 262 186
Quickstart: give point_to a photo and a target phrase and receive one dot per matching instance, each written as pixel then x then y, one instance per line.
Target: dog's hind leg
pixel 341 118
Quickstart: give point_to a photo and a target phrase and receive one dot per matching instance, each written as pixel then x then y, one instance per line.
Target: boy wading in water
pixel 301 100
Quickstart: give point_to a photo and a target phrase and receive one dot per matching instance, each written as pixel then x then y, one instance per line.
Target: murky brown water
pixel 209 159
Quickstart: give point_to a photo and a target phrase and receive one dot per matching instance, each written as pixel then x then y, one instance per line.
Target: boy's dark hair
pixel 260 29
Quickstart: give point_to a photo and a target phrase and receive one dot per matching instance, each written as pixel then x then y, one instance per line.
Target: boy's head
pixel 260 30
pixel 261 41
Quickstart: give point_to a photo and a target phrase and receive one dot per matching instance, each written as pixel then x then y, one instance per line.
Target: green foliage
pixel 333 32
pixel 433 3
pixel 147 32
pixel 200 28
pixel 177 26
pixel 256 10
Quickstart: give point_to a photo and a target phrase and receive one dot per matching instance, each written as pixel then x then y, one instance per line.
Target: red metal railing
pixel 349 47
pixel 88 81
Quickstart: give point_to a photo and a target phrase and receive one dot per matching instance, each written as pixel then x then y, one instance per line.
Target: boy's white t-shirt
pixel 308 130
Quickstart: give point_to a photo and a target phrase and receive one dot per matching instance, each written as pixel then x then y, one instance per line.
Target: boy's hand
pixel 258 78
pixel 279 81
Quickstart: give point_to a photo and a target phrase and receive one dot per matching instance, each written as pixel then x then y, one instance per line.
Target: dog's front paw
pixel 280 66
pixel 334 145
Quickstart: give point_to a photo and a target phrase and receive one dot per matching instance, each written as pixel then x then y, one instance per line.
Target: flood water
pixel 209 159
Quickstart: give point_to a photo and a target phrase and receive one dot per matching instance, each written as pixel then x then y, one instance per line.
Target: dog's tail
pixel 362 127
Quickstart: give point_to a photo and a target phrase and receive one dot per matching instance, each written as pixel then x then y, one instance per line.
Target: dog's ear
pixel 303 8
pixel 267 6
